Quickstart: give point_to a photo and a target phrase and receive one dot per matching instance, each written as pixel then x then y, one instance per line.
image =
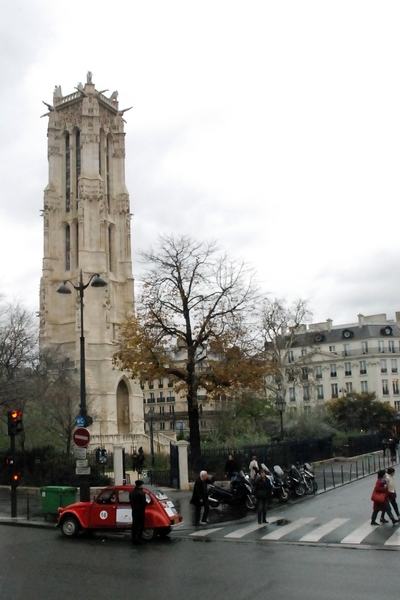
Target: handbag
pixel 379 497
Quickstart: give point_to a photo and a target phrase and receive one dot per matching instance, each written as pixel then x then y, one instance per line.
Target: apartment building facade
pixel 329 361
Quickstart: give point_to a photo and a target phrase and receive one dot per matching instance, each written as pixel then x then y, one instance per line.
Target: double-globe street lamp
pixel 95 281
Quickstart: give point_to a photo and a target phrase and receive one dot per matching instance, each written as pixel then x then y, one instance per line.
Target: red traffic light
pixel 15 424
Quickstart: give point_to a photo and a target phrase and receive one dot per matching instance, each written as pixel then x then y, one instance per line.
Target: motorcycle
pixel 308 476
pixel 295 481
pixel 239 493
pixel 277 480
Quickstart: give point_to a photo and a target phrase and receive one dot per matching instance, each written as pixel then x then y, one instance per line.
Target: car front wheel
pixel 148 534
pixel 70 526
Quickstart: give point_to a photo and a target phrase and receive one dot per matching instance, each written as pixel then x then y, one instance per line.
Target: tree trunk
pixel 193 413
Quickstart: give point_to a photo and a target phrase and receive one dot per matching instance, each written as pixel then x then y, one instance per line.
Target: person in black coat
pixel 137 499
pixel 262 492
pixel 200 498
pixel 231 467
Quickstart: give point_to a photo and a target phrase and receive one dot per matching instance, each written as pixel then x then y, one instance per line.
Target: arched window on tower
pixel 67 173
pixel 77 163
pixel 67 248
pixel 107 174
pixel 111 248
pixel 76 244
pixel 123 413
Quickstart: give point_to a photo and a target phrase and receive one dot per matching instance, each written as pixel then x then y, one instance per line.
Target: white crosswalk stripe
pixel 204 532
pixel 279 533
pixel 239 533
pixel 359 534
pixel 318 533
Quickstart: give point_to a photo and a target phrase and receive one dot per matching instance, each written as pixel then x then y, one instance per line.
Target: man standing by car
pixel 200 498
pixel 137 499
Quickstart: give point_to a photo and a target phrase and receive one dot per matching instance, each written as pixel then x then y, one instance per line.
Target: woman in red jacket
pixel 380 499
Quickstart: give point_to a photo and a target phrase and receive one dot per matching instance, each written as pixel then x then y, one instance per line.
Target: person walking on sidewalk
pixel 380 499
pixel 200 499
pixel 253 467
pixel 231 467
pixel 262 492
pixel 392 495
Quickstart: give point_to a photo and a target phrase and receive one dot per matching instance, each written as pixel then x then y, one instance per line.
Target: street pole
pixel 96 281
pixel 13 483
pixel 152 436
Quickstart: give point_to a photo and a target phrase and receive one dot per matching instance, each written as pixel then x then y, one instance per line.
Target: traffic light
pixel 103 455
pixel 15 424
pixel 14 477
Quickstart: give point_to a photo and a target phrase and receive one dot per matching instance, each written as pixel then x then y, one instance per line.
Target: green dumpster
pixel 54 496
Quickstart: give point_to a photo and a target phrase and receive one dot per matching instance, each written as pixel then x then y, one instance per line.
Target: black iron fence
pixel 282 453
pixel 340 473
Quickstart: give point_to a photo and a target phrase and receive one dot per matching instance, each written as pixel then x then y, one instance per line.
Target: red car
pixel 111 510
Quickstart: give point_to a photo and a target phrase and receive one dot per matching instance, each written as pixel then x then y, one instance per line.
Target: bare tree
pixel 284 328
pixel 196 298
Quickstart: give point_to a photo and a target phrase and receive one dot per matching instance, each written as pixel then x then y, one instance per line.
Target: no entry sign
pixel 81 437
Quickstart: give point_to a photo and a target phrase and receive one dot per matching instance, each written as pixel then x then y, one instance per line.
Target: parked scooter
pixel 239 493
pixel 308 476
pixel 277 480
pixel 295 481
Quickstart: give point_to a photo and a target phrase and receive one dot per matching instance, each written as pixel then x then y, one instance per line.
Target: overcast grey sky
pixel 272 127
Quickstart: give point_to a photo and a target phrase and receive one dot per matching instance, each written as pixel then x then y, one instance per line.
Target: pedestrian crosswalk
pixel 338 530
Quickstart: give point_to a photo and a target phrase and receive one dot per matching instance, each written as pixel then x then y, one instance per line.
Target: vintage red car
pixel 111 510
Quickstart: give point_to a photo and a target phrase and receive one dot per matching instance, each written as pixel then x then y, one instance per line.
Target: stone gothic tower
pixel 87 229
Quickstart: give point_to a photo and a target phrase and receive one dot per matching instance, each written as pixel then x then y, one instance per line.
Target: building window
pixel 318 372
pixel 397 405
pixel 170 397
pixel 363 367
pixel 151 385
pixel 172 409
pixel 306 393
pixel 161 409
pixel 170 383
pixel 67 174
pixel 108 172
pixel 395 386
pixel 151 399
pixel 364 387
pixel 77 163
pixel 333 371
pixel 307 408
pixel 383 365
pixel 290 374
pixel 67 248
pixel 346 349
pixel 381 346
pixel 161 398
pixel 331 348
pixel 303 351
pixel 304 373
pixel 364 347
pixel 334 390
pixel 385 387
pixel 292 394
pixel 320 392
pixel 391 346
pixel 111 245
pixel 203 424
pixel 290 356
pixel 393 363
pixel 347 368
pixel 349 387
pixel 171 425
pixel 162 426
pixel 161 383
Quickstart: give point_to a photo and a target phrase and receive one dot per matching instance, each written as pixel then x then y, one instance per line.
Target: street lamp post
pixel 95 281
pixel 280 406
pixel 151 413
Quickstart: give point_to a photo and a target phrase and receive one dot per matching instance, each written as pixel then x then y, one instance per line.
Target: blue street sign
pixel 80 421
